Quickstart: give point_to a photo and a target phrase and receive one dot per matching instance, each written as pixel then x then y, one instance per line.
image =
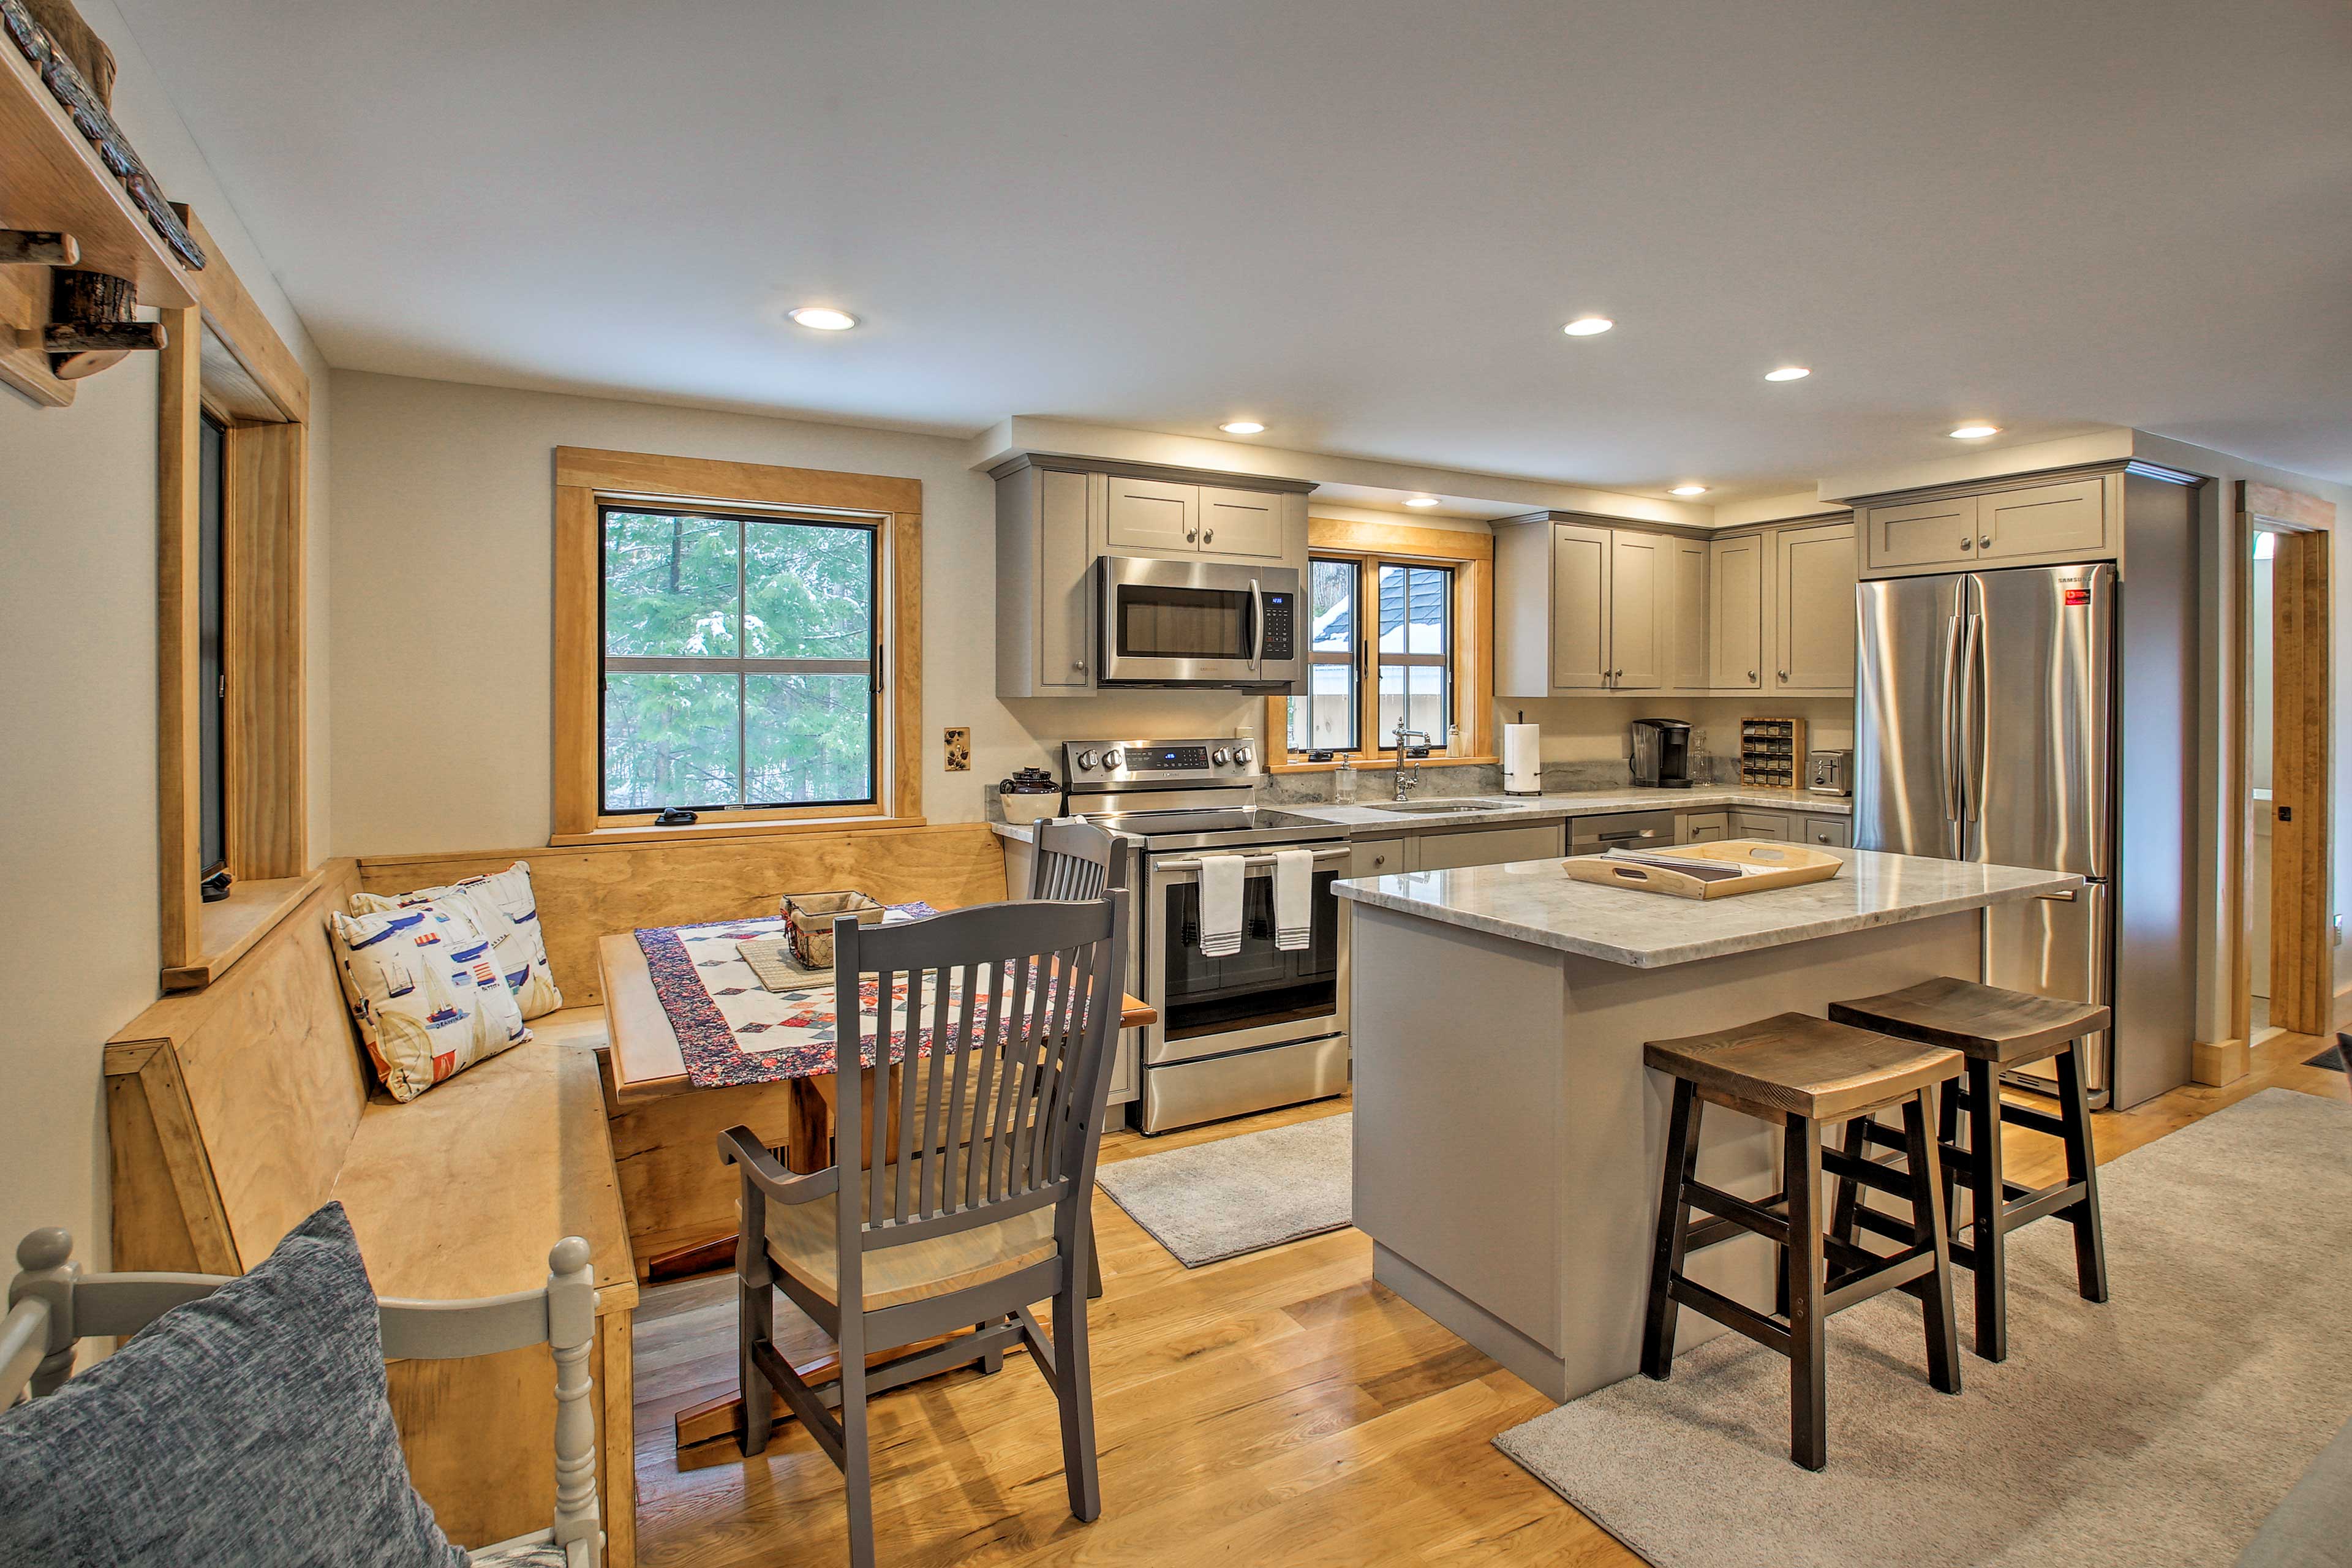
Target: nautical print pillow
pixel 427 998
pixel 508 915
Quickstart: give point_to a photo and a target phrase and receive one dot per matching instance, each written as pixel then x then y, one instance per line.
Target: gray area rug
pixel 2158 1428
pixel 1241 1195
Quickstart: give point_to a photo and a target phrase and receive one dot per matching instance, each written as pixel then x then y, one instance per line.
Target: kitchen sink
pixel 1430 808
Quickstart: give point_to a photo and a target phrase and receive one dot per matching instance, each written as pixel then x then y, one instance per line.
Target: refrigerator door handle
pixel 1951 737
pixel 1971 725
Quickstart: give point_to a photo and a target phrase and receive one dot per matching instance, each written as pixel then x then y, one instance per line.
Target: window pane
pixel 1334 613
pixel 670 740
pixel 669 585
pixel 808 592
pixel 1325 720
pixel 1413 609
pixel 808 737
pixel 1425 701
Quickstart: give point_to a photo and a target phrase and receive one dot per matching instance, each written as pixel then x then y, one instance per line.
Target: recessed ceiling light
pixel 1241 426
pixel 823 319
pixel 1975 432
pixel 1787 373
pixel 1588 326
pixel 1687 491
pixel 1420 500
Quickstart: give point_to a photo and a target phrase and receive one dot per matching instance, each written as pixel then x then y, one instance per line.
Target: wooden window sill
pixel 226 930
pixel 1374 765
pixel 724 828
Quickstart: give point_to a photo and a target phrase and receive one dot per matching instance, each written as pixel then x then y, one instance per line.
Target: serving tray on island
pixel 1719 871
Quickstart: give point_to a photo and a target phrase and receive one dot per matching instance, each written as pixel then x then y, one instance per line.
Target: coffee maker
pixel 1662 758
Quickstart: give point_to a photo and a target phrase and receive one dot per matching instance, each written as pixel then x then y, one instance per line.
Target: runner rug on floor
pixel 1240 1195
pixel 2158 1428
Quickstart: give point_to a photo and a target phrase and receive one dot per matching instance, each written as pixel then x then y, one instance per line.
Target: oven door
pixel 1260 995
pixel 1196 623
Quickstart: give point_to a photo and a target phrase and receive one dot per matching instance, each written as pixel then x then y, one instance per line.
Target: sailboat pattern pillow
pixel 503 905
pixel 427 999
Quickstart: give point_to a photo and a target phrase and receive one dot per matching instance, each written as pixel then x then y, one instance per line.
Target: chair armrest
pixel 740 1146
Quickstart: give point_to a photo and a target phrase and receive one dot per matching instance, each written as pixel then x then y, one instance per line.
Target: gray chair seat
pixel 802 1240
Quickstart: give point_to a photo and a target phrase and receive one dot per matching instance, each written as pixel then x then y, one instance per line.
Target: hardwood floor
pixel 1277 1408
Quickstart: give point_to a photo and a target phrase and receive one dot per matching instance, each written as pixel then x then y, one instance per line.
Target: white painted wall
pixel 444 589
pixel 80 935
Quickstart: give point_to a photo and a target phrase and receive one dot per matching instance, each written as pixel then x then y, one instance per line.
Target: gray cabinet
pixel 1814 573
pixel 1703 826
pixel 1831 831
pixel 1773 825
pixel 1640 605
pixel 1581 607
pixel 2005 524
pixel 1241 522
pixel 1488 846
pixel 1736 611
pixel 1380 857
pixel 1688 625
pixel 1152 514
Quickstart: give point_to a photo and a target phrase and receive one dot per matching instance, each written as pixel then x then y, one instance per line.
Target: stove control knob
pixel 1220 756
pixel 1085 759
pixel 1241 755
pixel 1113 759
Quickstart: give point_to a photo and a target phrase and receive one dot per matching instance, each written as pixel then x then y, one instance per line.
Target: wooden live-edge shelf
pixel 227 930
pixel 51 179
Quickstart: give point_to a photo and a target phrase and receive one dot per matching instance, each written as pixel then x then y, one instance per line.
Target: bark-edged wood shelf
pixel 53 180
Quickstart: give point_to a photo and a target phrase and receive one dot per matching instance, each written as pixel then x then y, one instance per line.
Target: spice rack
pixel 1772 752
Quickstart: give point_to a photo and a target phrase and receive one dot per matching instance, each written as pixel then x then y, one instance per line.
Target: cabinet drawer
pixel 1380 857
pixel 2048 520
pixel 1704 828
pixel 1834 831
pixel 1772 824
pixel 1486 847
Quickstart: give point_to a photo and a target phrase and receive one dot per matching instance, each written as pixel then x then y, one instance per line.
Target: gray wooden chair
pixel 1076 859
pixel 53 1305
pixel 941 1234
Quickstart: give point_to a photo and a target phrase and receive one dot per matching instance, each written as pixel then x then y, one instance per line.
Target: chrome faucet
pixel 1403 735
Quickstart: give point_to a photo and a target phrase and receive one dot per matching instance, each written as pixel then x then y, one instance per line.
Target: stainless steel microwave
pixel 1198 623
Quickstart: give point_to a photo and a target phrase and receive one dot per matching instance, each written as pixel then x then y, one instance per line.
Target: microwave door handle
pixel 1257 629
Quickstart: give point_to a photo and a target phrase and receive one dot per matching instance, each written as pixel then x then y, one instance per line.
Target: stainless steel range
pixel 1253 1029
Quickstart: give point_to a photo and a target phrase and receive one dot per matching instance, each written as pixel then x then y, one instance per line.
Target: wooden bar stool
pixel 1802 1073
pixel 1996 1030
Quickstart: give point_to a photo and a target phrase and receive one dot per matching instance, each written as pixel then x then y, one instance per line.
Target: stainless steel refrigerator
pixel 1985 730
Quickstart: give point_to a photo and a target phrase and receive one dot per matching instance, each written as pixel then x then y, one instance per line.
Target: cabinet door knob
pixel 1751 677
pixel 1985 542
pixel 1784 675
pixel 1192 534
pixel 1078 665
pixel 1965 542
pixel 1208 536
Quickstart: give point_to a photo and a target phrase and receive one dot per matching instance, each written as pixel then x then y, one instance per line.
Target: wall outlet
pixel 959 742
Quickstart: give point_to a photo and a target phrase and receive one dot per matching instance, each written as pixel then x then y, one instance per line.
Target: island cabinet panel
pixel 1688 666
pixel 1814 575
pixel 1735 610
pixel 1579 608
pixel 1152 514
pixel 1241 522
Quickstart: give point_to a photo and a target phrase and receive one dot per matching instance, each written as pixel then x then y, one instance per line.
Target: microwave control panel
pixel 1278 636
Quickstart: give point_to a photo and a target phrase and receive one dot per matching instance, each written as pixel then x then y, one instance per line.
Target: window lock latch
pixel 676 816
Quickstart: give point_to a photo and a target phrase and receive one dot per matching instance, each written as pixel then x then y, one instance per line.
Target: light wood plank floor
pixel 1278 1408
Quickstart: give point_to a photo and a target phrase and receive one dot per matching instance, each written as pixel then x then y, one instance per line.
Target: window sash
pixel 745 665
pixel 1369 660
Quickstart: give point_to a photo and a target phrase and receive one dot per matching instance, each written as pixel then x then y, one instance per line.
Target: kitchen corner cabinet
pixel 1054 517
pixel 2044 524
pixel 1580 607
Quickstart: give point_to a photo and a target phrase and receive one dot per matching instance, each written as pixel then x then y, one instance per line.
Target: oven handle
pixel 1194 865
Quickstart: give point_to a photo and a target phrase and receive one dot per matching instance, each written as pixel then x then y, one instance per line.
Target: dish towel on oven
pixel 1294 898
pixel 1221 905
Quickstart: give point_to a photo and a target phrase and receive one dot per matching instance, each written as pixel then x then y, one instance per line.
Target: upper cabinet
pixel 1056 516
pixel 1584 608
pixel 1813 610
pixel 1686 627
pixel 2029 523
pixel 1736 605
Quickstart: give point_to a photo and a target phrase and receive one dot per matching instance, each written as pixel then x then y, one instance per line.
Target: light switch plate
pixel 959 743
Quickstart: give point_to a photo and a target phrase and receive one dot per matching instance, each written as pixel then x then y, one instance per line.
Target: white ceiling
pixel 1362 223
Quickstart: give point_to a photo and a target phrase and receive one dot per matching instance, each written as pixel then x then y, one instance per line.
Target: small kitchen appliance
pixel 1262 1026
pixel 1829 772
pixel 1662 753
pixel 1198 623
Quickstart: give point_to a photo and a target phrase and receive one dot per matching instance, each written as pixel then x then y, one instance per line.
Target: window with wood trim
pixel 1382 653
pixel 742 659
pixel 736 640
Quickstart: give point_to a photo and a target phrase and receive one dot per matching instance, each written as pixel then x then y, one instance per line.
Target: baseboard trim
pixel 2219 1062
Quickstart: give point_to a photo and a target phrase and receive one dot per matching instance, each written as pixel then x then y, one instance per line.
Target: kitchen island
pixel 1508 1140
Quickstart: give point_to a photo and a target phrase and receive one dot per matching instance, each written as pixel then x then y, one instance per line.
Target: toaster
pixel 1829 772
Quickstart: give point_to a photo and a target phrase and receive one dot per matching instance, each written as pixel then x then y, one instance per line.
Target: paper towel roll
pixel 1522 759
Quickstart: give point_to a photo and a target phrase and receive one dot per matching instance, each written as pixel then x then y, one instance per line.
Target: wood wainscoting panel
pixel 2302 857
pixel 588 891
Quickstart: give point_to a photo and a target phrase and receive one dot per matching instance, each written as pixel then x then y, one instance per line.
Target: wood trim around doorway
pixel 2302 949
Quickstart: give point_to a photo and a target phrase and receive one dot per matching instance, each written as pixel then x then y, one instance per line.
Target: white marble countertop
pixel 1535 902
pixel 1367 819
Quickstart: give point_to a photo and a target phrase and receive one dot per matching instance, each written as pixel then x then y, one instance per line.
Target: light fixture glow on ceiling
pixel 823 319
pixel 1787 373
pixel 1588 326
pixel 1241 426
pixel 1975 432
pixel 1687 491
pixel 1420 500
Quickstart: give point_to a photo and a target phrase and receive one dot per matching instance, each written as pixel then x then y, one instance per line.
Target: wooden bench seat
pixel 236 1109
